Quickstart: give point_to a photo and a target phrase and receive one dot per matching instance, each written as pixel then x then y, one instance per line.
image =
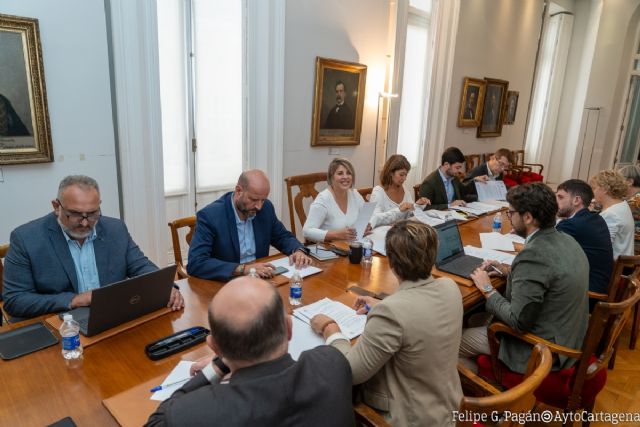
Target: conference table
pixel 39 389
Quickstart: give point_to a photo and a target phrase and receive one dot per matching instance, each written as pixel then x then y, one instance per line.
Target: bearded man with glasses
pixel 55 262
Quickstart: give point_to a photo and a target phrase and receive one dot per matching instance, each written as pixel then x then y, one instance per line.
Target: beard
pixel 248 213
pixel 82 233
pixel 564 212
pixel 520 231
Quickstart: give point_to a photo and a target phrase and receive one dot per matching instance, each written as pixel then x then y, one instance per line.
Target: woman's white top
pixel 619 219
pixel 387 211
pixel 325 214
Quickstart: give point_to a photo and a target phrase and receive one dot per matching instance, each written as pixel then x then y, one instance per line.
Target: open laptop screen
pixel 449 241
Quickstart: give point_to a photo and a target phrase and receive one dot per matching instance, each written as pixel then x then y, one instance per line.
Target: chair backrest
pixel 365 193
pixel 174 227
pixel 624 264
pixel 3 252
pixel 519 399
pixel 416 192
pixel 306 188
pixel 368 417
pixel 471 161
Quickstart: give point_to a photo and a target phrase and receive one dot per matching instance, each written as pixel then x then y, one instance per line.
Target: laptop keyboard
pixel 462 266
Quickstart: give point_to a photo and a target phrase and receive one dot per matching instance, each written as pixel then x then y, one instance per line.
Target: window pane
pixel 636 64
pixel 172 60
pixel 412 107
pixel 632 131
pixel 424 5
pixel 218 88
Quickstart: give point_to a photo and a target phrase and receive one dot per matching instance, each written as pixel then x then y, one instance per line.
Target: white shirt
pixel 325 214
pixel 387 211
pixel 619 220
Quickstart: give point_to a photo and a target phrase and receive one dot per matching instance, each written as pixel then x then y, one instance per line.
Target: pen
pixel 162 387
pixel 366 307
pixel 496 269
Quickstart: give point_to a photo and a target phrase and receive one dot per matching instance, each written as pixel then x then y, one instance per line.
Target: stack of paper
pixel 284 262
pixel 487 254
pixel 422 216
pixel 496 241
pixel 351 324
pixel 479 208
pixel 378 236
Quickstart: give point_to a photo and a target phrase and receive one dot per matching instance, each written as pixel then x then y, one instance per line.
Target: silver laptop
pixel 120 302
pixel 451 257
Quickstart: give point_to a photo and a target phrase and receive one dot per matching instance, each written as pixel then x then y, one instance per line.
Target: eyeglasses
pixel 509 213
pixel 78 217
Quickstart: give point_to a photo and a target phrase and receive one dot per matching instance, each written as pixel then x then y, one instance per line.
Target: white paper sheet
pixel 487 254
pixel 496 241
pixel 482 208
pixel 512 237
pixel 179 373
pixel 284 262
pixel 427 219
pixel 366 211
pixel 302 338
pixel 491 190
pixel 498 203
pixel 351 324
pixel 378 236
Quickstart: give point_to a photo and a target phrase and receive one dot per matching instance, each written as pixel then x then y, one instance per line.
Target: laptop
pixel 451 257
pixel 120 302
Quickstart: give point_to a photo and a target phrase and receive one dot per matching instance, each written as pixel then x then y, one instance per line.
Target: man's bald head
pixel 254 180
pixel 247 320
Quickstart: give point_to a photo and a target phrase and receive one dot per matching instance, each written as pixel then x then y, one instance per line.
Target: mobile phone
pixel 279 270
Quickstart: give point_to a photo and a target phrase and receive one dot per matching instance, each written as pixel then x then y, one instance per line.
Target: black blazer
pixel 591 232
pixel 433 188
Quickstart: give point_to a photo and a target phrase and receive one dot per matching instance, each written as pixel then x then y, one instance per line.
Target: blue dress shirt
pixel 448 186
pixel 84 259
pixel 246 238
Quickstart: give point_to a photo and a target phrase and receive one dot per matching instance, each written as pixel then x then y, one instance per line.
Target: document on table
pixel 179 375
pixel 513 237
pixel 363 218
pixel 284 262
pixel 479 208
pixel 302 338
pixel 351 324
pixel 491 190
pixel 423 217
pixel 485 254
pixel 378 236
pixel 496 241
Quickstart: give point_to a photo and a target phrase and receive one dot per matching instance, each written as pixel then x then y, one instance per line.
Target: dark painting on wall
pixel 493 109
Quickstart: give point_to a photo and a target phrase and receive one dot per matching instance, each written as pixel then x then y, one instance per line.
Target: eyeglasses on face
pixel 78 217
pixel 509 213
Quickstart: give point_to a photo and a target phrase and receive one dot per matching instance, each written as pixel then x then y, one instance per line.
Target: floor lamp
pixel 381 95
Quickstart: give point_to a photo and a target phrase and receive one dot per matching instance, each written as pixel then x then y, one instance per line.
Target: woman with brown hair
pixel 393 202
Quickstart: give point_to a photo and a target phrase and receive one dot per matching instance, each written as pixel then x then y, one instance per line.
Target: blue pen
pixel 162 387
pixel 366 307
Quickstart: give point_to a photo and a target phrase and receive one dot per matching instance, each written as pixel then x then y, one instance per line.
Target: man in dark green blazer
pixel 442 186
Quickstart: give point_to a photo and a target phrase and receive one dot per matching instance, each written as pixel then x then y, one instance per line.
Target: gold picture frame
pixel 338 102
pixel 471 102
pixel 25 132
pixel 495 98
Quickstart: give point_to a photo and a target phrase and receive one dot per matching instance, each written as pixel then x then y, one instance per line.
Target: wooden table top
pixel 38 389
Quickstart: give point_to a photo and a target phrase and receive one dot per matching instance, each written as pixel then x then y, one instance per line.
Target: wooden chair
pixel 365 193
pixel 574 388
pixel 3 253
pixel 174 227
pixel 367 416
pixel 471 161
pixel 521 172
pixel 306 188
pixel 519 399
pixel 416 192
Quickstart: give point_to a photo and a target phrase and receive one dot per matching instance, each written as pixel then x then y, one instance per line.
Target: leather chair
pixel 416 192
pixel 174 227
pixel 306 189
pixel 489 400
pixel 576 387
pixel 522 172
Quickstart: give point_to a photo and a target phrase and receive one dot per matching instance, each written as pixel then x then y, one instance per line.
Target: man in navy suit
pixel 55 262
pixel 238 228
pixel 588 228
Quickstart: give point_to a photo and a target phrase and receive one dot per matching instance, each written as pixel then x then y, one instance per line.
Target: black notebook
pixel 25 340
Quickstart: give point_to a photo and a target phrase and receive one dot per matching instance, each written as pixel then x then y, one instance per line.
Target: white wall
pixel 76 69
pixel 497 39
pixel 354 31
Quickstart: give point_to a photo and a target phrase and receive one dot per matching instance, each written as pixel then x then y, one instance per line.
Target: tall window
pixel 201 52
pixel 630 129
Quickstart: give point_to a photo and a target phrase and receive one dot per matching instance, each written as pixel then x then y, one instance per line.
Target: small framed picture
pixel 471 102
pixel 493 109
pixel 512 106
pixel 25 135
pixel 338 102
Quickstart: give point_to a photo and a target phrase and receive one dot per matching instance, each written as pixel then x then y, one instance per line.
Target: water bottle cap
pixel 67 317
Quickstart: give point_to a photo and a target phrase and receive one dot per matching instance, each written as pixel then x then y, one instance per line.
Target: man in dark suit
pixel 492 170
pixel 55 262
pixel 588 228
pixel 442 186
pixel 341 115
pixel 251 380
pixel 235 230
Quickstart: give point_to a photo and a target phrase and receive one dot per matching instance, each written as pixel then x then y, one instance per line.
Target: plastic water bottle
pixel 70 333
pixel 367 252
pixel 295 288
pixel 497 223
pixel 252 272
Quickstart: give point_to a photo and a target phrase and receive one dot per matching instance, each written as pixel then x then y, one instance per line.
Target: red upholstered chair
pixel 574 388
pixel 522 172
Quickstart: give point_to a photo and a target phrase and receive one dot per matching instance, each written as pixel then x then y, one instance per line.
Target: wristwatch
pixel 220 364
pixel 488 290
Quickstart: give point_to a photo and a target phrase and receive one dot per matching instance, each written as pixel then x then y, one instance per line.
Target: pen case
pixel 176 342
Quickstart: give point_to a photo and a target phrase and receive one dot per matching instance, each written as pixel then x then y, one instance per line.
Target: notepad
pixel 304 272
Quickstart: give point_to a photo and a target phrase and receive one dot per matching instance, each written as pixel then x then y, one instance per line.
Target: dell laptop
pixel 451 257
pixel 120 302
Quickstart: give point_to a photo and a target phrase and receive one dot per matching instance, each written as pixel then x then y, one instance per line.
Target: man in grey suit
pixel 251 380
pixel 55 262
pixel 547 284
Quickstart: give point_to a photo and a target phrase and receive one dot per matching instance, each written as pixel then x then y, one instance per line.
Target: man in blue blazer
pixel 238 228
pixel 55 261
pixel 588 228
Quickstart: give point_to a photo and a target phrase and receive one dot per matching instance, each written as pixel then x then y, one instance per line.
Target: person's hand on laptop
pixel 81 300
pixel 176 302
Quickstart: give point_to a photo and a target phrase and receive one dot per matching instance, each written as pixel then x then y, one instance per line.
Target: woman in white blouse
pixel 335 210
pixel 393 203
pixel 609 189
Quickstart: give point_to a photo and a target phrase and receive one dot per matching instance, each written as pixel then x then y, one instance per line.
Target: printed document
pixel 351 324
pixel 179 375
pixel 378 236
pixel 363 219
pixel 496 241
pixel 491 190
pixel 486 254
pixel 302 338
pixel 304 272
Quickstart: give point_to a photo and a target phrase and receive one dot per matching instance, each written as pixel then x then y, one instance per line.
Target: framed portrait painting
pixel 338 102
pixel 511 106
pixel 25 133
pixel 493 109
pixel 471 102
